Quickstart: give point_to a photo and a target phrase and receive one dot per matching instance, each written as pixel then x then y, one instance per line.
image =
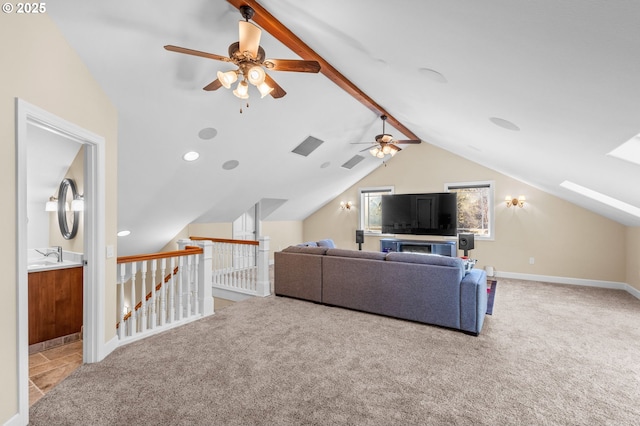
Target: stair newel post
pixel 143 297
pixel 187 275
pixel 263 285
pixel 172 303
pixel 132 300
pixel 121 328
pixel 163 291
pixel 196 285
pixel 203 285
pixel 154 318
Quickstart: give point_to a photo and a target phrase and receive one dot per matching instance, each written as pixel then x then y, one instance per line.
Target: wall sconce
pixel 515 201
pixel 346 205
pixel 52 205
pixel 77 205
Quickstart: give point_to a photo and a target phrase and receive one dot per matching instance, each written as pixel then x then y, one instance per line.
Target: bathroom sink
pixel 46 263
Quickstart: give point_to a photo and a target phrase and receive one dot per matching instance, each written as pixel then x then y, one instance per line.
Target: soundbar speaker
pixel 359 236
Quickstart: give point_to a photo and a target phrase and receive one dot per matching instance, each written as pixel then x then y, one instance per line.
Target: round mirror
pixel 67 219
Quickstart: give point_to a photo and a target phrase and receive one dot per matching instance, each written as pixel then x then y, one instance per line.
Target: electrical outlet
pixel 532 261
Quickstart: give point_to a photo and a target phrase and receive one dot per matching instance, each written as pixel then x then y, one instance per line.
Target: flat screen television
pixel 420 214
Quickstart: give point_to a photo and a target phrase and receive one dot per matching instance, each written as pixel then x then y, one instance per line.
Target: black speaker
pixel 359 236
pixel 465 242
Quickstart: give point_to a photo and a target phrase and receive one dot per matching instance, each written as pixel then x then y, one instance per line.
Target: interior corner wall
pixel 633 257
pixel 39 66
pixel 282 234
pixel 563 240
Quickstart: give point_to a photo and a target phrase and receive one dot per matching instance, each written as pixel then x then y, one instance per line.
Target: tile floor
pixel 50 367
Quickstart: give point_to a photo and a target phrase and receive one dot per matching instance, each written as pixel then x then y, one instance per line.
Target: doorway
pixel 93 350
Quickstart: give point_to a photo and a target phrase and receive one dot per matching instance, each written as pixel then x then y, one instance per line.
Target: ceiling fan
pixel 249 57
pixel 385 144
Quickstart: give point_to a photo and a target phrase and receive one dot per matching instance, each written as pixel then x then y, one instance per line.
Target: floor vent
pixel 309 145
pixel 353 161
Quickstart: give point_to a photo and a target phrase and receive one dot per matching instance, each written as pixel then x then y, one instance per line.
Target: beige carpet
pixel 549 354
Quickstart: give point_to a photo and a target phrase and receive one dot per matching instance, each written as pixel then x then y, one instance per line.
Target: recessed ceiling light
pixel 207 133
pixel 601 198
pixel 191 156
pixel 123 233
pixel 628 151
pixel 325 164
pixel 433 75
pixel 231 164
pixel 505 124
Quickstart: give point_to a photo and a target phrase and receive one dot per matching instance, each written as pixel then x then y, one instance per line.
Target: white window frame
pixel 362 191
pixel 491 211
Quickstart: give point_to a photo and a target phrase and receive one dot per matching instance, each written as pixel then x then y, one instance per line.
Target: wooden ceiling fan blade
pixel 249 38
pixel 295 65
pixel 193 52
pixel 278 91
pixel 214 85
pixel 409 141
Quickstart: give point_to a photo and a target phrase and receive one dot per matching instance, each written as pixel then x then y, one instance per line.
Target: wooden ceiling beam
pixel 269 23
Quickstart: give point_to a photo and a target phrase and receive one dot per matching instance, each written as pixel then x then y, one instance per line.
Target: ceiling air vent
pixel 353 161
pixel 309 145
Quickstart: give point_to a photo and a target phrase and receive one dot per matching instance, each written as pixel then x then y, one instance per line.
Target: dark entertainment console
pixel 445 248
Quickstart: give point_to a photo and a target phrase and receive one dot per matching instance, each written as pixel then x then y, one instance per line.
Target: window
pixel 475 207
pixel 370 211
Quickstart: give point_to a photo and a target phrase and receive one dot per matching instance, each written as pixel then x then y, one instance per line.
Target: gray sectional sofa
pixel 430 289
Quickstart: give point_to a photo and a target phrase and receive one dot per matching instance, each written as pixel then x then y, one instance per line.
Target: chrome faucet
pixel 58 253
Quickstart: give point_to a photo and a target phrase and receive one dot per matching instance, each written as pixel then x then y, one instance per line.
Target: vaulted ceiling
pixel 540 91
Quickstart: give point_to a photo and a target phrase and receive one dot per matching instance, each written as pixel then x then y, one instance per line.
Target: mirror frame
pixel 68 232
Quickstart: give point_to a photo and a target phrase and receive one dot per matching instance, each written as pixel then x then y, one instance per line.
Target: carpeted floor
pixel 549 355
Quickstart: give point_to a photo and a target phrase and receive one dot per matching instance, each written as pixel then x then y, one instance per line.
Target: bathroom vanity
pixel 55 299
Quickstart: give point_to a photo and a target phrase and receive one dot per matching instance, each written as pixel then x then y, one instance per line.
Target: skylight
pixel 628 151
pixel 604 199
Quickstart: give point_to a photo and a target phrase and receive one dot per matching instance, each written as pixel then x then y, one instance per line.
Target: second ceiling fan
pixel 385 144
pixel 249 57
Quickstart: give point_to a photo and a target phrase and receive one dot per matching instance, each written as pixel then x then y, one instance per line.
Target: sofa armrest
pixel 473 301
pixel 298 275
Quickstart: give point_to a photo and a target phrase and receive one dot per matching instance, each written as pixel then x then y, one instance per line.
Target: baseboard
pixel 109 347
pixel 571 281
pixel 230 295
pixel 16 420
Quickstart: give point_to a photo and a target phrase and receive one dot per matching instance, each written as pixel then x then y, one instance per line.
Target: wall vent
pixel 309 145
pixel 353 161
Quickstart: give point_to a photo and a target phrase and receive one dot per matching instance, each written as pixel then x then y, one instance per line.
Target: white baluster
pixel 143 297
pixel 196 300
pixel 180 275
pixel 188 290
pixel 132 300
pixel 171 290
pixel 154 318
pixel 163 291
pixel 121 328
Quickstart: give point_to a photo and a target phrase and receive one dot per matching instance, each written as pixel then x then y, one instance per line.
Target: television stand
pixel 445 248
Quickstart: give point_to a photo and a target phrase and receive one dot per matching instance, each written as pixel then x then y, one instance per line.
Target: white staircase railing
pixel 173 288
pixel 240 266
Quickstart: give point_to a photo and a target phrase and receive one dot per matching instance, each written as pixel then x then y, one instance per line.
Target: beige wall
pixel 633 257
pixel 564 240
pixel 282 234
pixel 39 67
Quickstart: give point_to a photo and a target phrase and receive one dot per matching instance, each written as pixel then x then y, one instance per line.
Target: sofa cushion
pixel 306 250
pixel 373 255
pixel 428 259
pixel 326 243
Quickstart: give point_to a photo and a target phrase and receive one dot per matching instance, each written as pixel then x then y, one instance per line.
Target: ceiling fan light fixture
pixel 256 75
pixel 386 149
pixel 264 89
pixel 374 151
pixel 227 78
pixel 249 38
pixel 380 154
pixel 242 90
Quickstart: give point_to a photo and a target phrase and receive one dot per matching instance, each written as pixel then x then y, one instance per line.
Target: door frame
pixel 93 349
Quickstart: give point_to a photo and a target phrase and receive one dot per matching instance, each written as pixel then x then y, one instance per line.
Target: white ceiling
pixel 567 73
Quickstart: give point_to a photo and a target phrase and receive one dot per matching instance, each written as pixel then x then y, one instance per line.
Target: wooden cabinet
pixel 55 303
